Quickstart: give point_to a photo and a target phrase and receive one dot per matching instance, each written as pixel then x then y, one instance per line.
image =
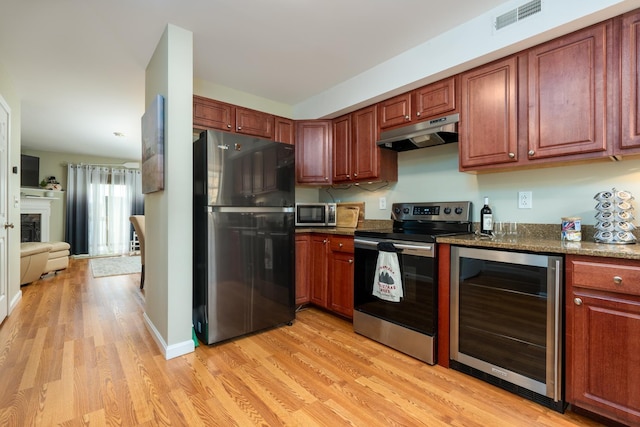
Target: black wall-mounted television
pixel 29 171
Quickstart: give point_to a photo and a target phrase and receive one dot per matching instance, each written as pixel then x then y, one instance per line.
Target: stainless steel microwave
pixel 316 214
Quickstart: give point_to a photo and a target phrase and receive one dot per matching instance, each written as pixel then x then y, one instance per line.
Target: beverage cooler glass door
pixel 505 316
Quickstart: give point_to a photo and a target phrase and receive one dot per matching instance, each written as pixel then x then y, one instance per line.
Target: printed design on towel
pixel 387 284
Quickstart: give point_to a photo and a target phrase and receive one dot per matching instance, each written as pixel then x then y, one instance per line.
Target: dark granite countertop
pixel 547 245
pixel 543 238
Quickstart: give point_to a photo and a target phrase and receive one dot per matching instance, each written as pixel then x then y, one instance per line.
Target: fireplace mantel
pixel 38 205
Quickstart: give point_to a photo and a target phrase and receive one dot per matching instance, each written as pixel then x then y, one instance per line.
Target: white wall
pixel 168 218
pixel 464 47
pixel 431 174
pixel 11 97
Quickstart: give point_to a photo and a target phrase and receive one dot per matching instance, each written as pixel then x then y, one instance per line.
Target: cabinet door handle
pixel 8 225
pixel 350 261
pixel 239 127
pixel 407 117
pixel 577 301
pixel 229 126
pixel 325 241
pixel 512 155
pixel 355 175
pixel 531 152
pixel 617 280
pixel 418 114
pixel 339 245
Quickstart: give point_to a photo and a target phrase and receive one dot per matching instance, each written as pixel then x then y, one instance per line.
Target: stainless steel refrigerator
pixel 243 235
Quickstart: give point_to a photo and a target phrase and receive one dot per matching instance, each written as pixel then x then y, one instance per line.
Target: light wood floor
pixel 76 352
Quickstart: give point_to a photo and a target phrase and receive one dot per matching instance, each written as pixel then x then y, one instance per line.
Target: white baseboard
pixel 169 351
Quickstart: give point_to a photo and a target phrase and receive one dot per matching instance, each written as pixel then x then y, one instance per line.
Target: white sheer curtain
pixel 110 196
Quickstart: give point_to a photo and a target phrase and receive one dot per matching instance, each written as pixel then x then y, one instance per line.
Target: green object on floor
pixel 193 336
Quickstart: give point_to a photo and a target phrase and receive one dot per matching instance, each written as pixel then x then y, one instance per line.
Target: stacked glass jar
pixel 614 215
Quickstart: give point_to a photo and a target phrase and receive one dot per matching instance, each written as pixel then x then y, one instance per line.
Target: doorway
pixel 5 114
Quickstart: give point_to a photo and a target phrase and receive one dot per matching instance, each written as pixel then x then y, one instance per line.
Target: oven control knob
pixel 405 211
pixel 396 210
pixel 447 210
pixel 458 211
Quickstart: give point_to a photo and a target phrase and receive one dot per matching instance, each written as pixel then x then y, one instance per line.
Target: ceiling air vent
pixel 518 14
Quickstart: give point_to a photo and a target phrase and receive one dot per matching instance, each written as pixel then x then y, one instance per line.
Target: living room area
pixel 75 205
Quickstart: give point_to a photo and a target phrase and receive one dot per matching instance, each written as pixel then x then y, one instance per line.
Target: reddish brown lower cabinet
pixel 341 275
pixel 303 244
pixel 603 337
pixel 318 269
pixel 324 272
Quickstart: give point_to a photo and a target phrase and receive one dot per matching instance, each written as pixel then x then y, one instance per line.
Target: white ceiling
pixel 78 65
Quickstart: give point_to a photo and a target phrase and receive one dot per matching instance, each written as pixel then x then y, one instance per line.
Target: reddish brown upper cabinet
pixel 603 336
pixel 255 123
pixel 570 90
pixel 436 99
pixel 356 157
pixel 488 129
pixel 212 114
pixel 427 102
pixel 395 111
pixel 313 152
pixel 284 130
pixel 630 79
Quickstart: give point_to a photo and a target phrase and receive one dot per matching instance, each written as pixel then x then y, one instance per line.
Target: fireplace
pixel 30 228
pixel 35 213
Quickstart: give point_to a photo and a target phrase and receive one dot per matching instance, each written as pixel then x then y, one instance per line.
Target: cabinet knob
pixel 348 176
pixel 531 152
pixel 617 280
pixel 350 261
pixel 418 114
pixel 326 178
pixel 512 155
pixel 229 126
pixel 339 245
pixel 355 175
pixel 239 127
pixel 325 241
pixel 577 301
pixel 407 117
pixel 8 225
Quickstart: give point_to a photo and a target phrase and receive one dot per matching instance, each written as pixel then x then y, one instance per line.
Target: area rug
pixel 115 266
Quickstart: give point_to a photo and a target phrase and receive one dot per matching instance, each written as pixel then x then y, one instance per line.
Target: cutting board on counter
pixel 349 214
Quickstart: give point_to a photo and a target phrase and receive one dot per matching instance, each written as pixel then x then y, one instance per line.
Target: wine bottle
pixel 486 218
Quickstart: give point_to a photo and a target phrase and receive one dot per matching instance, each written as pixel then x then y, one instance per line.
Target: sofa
pixel 39 258
pixel 33 260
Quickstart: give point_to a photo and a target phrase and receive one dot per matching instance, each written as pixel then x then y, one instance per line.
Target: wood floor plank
pixel 77 352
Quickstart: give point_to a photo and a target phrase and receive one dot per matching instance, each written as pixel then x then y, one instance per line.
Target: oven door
pixel 415 314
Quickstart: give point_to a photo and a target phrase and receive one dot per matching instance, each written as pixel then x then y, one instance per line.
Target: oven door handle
pixel 374 245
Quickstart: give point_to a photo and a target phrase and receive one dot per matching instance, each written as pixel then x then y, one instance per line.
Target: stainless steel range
pixel 410 324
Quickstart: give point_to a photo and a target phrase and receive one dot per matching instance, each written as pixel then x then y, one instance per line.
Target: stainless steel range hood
pixel 438 131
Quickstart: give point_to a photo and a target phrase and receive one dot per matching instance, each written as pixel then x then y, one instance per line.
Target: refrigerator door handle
pixel 249 209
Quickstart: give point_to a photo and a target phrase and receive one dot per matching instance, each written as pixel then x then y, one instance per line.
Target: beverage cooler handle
pixel 557 327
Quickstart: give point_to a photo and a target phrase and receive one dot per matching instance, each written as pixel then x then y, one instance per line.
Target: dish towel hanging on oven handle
pixel 387 282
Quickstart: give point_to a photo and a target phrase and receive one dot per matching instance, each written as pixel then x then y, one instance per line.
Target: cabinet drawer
pixel 341 244
pixel 623 276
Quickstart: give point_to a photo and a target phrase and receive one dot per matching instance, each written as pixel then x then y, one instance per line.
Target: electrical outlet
pixel 525 200
pixel 382 202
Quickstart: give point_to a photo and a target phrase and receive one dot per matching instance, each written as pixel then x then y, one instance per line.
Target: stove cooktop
pixel 424 221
